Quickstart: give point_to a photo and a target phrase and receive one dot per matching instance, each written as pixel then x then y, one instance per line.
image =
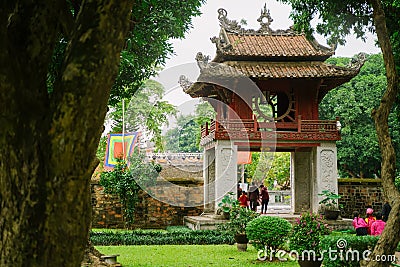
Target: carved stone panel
pixel 225 169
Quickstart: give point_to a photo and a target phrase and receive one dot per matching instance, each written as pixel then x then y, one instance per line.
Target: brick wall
pixel 357 194
pixel 151 212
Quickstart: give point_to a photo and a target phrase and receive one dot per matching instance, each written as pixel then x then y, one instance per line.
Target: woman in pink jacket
pixel 378 226
pixel 359 224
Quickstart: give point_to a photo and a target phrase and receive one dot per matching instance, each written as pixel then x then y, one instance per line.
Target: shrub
pixel 238 220
pixel 178 228
pixel 307 233
pixel 160 237
pixel 269 233
pixel 345 250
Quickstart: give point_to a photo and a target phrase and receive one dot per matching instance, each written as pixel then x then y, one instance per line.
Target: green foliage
pixel 153 24
pixel 145 112
pixel 268 232
pixel 346 243
pixel 238 220
pixel 267 168
pixel 157 237
pixel 279 171
pixel 307 232
pixel 178 228
pixel 358 150
pixel 337 19
pixel 260 165
pixel 204 113
pixel 148 44
pixel 185 137
pixel 101 149
pixel 330 200
pixel 228 202
pixel 397 182
pixel 124 181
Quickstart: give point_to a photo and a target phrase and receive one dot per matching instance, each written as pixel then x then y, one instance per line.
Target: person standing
pixel 253 197
pixel 386 208
pixel 264 198
pixel 243 199
pixel 239 191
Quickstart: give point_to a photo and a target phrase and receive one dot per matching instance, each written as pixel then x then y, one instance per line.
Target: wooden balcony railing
pixel 327 128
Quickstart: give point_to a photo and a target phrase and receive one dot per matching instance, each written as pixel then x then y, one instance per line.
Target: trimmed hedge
pixel 175 236
pixel 268 231
pixel 346 250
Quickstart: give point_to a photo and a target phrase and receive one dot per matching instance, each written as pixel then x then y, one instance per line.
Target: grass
pixel 187 256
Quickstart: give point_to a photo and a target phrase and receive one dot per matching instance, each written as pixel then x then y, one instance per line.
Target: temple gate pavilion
pixel 265 86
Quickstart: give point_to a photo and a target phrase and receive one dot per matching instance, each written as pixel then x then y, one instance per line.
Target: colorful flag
pixel 119 146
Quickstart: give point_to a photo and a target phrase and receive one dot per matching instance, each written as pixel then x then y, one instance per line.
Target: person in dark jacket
pixel 253 197
pixel 386 211
pixel 264 198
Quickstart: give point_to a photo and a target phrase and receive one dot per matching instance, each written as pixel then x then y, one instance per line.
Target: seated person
pixel 378 225
pixel 359 224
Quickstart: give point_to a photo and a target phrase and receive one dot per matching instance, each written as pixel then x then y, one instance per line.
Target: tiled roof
pixel 276 70
pixel 273 46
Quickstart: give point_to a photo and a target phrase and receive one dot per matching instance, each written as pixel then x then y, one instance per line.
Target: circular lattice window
pixel 277 105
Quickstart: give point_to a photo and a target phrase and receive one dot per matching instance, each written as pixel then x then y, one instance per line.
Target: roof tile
pixel 273 46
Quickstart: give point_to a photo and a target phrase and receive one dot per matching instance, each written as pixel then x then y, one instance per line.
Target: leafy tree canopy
pixel 146 112
pixel 353 102
pixel 337 19
pixel 153 24
pixel 268 167
pixel 185 137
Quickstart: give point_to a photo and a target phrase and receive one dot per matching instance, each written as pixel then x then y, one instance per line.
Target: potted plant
pixel 239 217
pixel 305 238
pixel 226 204
pixel 330 204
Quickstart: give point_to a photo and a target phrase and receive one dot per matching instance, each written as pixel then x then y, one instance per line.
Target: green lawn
pixel 187 256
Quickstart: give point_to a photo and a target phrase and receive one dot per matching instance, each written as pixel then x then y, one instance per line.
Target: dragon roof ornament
pixel 184 82
pixel 358 61
pixel 265 21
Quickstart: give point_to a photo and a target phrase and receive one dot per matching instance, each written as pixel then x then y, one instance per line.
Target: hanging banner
pixel 243 157
pixel 119 147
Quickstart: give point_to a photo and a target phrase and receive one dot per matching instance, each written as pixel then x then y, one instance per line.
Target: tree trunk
pixel 48 141
pixel 390 237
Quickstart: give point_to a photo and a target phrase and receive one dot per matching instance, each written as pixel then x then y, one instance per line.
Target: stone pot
pixel 309 263
pixel 331 214
pixel 241 241
pixel 226 215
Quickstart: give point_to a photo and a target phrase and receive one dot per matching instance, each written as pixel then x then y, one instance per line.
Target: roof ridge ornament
pixel 184 82
pixel 202 60
pixel 233 26
pixel 227 24
pixel 357 61
pixel 265 20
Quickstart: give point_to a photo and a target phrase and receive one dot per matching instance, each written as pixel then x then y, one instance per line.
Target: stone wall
pixel 357 194
pixel 150 212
